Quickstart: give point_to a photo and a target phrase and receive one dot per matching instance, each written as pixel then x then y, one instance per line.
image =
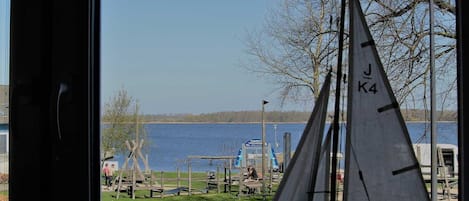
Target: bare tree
pixel 401 29
pixel 297 46
pixel 119 124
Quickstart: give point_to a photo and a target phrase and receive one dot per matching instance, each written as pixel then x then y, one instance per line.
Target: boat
pixel 380 163
pixel 251 154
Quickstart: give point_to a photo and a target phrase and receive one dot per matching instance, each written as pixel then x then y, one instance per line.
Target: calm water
pixel 171 144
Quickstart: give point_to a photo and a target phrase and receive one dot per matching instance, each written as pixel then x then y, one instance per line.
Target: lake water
pixel 171 144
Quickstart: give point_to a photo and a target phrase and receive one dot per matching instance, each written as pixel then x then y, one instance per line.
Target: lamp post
pixel 275 135
pixel 263 148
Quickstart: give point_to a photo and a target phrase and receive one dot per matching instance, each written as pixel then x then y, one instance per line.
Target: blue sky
pixel 178 56
pixel 4 41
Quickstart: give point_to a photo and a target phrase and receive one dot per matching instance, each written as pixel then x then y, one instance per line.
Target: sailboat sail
pixel 300 176
pixel 380 162
pixel 321 189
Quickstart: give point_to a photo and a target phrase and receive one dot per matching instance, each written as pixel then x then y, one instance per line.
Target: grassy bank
pixel 171 180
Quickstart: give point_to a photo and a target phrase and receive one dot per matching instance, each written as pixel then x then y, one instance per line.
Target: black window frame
pixel 55 43
pixel 54 100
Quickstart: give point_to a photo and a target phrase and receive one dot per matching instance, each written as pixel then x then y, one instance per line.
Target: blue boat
pixel 250 154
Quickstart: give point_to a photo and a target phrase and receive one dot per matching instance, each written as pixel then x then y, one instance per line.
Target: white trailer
pixel 449 153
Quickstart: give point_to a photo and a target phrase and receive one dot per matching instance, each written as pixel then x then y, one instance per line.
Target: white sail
pixel 380 162
pixel 322 187
pixel 300 176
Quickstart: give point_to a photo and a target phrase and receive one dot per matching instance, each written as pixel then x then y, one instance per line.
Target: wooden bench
pixel 176 191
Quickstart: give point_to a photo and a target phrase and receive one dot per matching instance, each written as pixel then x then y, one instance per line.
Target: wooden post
pixel 225 180
pixel 189 169
pixel 151 178
pixel 134 183
pixel 241 181
pixel 286 150
pixel 443 173
pixel 178 181
pixel 124 167
pixel 135 163
pixel 271 176
pixel 229 177
pixel 218 179
pixel 162 184
pixel 207 180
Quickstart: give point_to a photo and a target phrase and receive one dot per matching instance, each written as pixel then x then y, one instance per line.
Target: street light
pixel 275 135
pixel 263 148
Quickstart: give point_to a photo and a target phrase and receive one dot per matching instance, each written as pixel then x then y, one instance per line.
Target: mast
pixel 461 43
pixel 335 138
pixel 432 107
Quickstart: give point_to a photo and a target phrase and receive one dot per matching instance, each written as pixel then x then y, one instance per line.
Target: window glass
pixel 170 62
pixel 4 95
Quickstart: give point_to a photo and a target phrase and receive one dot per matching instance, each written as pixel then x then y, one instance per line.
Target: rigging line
pixel 328 39
pixel 360 173
pixel 344 128
pixel 421 138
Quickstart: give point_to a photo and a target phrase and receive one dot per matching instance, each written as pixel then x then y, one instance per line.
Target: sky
pixel 177 56
pixel 4 41
pixel 184 56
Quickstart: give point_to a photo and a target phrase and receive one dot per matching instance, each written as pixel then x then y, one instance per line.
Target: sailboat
pixel 380 163
pixel 296 183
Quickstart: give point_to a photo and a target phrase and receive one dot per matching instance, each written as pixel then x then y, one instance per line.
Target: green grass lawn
pixel 199 182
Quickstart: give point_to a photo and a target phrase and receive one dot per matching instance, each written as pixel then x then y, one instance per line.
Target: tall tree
pixel 297 46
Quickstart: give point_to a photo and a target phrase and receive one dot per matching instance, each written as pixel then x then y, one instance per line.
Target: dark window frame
pixel 54 100
pixel 56 42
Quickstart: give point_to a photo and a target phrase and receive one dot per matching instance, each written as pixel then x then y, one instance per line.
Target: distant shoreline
pixel 255 117
pixel 175 122
pixel 223 122
pixel 302 122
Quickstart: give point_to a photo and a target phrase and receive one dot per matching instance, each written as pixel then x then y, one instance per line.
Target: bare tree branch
pixel 296 47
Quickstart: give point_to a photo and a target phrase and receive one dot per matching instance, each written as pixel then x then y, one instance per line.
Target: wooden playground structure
pixel 159 184
pixel 134 171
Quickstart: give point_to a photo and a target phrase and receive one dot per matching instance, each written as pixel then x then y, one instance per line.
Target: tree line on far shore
pixel 277 116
